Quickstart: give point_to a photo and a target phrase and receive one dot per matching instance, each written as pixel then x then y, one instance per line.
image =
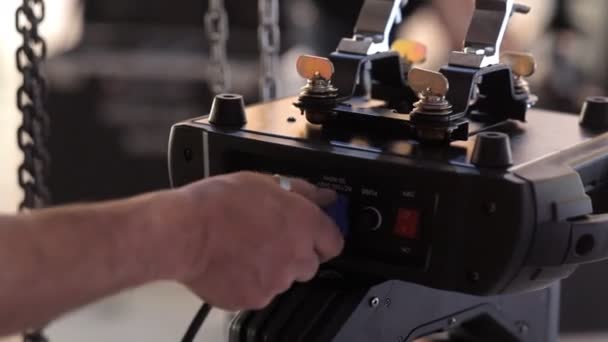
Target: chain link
pixel 269 38
pixel 217 30
pixel 33 134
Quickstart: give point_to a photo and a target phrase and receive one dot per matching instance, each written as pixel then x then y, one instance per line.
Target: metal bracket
pixel 336 311
pixel 486 33
pixel 373 28
pixel 499 101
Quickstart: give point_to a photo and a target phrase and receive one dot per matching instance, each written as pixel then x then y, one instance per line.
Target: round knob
pixel 594 114
pixel 492 150
pixel 370 219
pixel 228 110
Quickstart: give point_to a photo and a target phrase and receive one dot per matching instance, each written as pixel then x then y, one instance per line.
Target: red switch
pixel 407 225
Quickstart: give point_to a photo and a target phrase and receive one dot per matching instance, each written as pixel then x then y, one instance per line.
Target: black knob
pixel 369 219
pixel 492 150
pixel 594 114
pixel 228 110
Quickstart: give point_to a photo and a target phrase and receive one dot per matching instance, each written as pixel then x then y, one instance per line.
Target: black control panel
pixel 422 213
pixel 381 219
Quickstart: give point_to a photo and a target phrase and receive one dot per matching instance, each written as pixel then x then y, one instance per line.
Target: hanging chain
pixel 217 30
pixel 269 37
pixel 33 134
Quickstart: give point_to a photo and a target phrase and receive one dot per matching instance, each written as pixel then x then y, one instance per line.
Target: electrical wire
pixel 197 323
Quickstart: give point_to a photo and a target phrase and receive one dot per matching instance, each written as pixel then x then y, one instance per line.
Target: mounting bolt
pixel 374 302
pixel 387 302
pixel 452 321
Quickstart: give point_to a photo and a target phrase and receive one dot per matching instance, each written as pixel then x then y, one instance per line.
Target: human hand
pixel 245 239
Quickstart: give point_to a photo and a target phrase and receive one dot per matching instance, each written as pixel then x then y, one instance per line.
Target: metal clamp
pixel 486 33
pixel 373 27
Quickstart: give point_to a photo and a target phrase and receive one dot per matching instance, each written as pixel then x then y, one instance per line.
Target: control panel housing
pixel 420 213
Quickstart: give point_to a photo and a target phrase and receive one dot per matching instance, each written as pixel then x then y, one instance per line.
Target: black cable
pixel 197 323
pixel 34 336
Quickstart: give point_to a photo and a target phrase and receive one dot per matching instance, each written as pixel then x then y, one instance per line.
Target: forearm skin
pixel 55 260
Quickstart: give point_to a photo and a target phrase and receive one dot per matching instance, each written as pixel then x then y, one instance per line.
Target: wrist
pixel 170 236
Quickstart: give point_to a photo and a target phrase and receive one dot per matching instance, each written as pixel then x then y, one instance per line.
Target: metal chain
pixel 217 30
pixel 269 38
pixel 33 134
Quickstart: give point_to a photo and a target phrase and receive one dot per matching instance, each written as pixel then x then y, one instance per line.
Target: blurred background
pixel 121 72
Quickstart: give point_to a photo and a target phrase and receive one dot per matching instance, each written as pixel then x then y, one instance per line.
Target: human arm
pixel 237 241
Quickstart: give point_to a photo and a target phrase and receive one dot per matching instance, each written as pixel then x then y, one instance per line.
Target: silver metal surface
pixel 319 87
pixel 373 28
pixel 486 33
pixel 217 30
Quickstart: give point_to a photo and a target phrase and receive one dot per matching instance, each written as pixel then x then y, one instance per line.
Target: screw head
pixel 452 321
pixel 374 302
pixel 387 302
